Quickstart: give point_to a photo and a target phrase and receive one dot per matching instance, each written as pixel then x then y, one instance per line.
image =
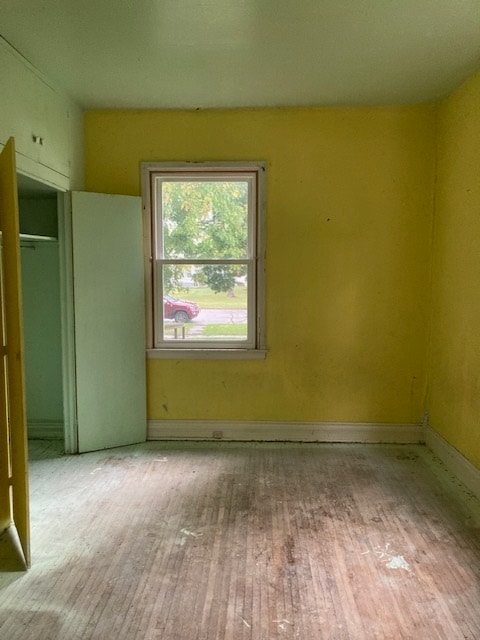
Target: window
pixel 204 225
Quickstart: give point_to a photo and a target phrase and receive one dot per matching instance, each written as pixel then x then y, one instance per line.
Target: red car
pixel 179 310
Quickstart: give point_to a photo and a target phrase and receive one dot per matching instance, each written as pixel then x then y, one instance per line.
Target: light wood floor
pixel 217 541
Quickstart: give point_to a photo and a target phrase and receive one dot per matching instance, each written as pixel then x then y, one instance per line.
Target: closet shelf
pixel 29 236
pixel 34 238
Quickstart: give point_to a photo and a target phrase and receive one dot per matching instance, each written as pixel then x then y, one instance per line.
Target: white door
pixel 109 310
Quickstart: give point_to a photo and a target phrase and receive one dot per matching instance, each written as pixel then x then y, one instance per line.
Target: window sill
pixel 207 354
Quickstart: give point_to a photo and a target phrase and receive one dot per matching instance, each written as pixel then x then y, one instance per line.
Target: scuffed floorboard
pixel 219 541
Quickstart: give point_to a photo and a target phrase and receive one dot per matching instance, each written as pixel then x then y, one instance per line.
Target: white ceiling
pixel 243 53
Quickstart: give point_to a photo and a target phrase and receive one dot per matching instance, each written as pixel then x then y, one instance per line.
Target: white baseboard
pixel 456 463
pixel 284 431
pixel 45 430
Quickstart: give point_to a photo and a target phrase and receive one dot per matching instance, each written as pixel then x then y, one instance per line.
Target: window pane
pixel 205 219
pixel 205 302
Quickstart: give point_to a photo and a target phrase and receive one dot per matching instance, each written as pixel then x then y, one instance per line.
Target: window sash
pixel 158 180
pixel 161 343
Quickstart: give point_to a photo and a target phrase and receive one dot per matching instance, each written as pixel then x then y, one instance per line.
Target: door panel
pixel 109 304
pixel 5 472
pixel 14 506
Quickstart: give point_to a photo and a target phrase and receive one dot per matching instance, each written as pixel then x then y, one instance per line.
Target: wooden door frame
pixel 70 421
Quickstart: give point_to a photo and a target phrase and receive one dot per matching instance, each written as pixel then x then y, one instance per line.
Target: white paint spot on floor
pixel 392 561
pixel 187 532
pixel 398 562
pixel 283 623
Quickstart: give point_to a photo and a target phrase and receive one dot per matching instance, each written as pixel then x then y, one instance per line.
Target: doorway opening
pixel 42 309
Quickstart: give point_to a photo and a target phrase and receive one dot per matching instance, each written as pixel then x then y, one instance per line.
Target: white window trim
pixel 203 350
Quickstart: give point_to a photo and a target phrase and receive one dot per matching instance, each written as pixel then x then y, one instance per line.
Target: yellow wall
pixel 350 194
pixel 454 362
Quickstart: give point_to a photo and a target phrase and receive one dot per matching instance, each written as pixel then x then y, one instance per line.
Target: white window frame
pixel 157 346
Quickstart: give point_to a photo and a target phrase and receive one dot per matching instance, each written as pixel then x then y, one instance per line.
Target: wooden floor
pixel 217 541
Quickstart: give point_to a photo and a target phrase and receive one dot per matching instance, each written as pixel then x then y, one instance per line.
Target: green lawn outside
pixel 208 299
pixel 225 330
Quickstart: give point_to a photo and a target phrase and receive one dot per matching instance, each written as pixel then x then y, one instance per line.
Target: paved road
pixel 221 316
